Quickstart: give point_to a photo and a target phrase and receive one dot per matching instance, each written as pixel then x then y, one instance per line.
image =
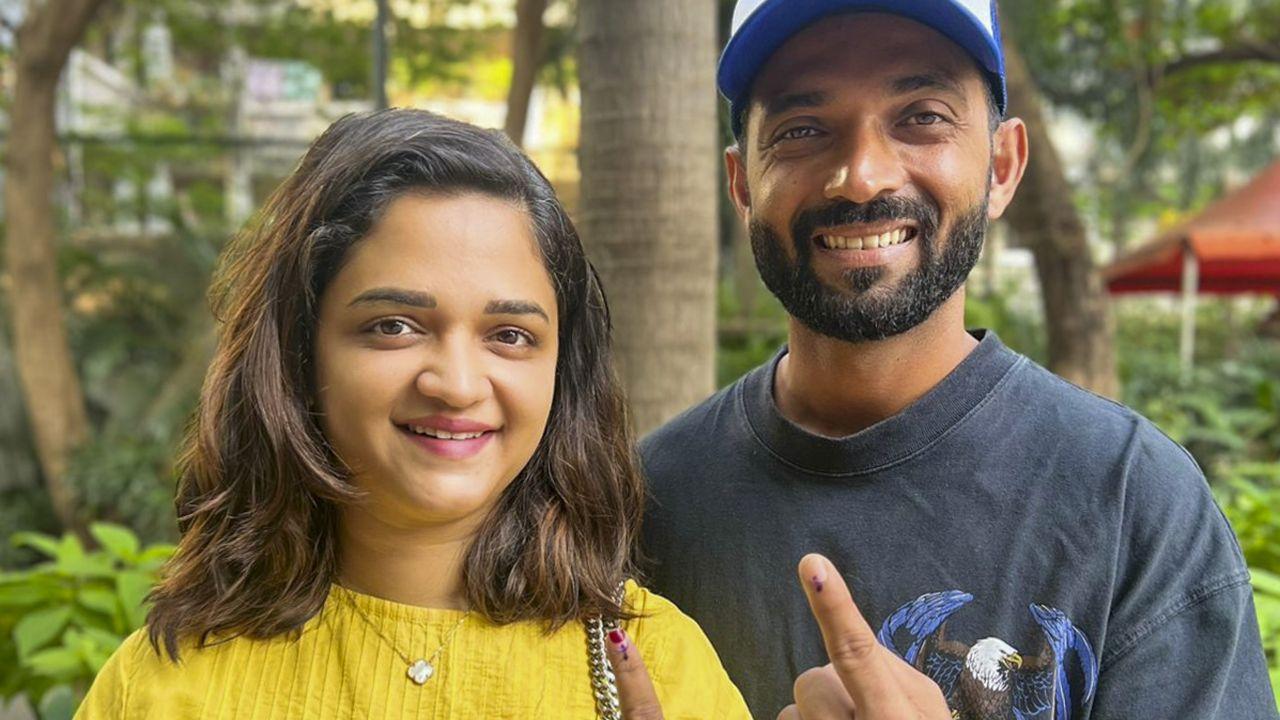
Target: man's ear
pixel 736 166
pixel 1008 163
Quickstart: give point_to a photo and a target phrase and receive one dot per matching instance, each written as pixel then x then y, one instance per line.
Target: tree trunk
pixel 649 159
pixel 526 59
pixel 1076 307
pixel 46 369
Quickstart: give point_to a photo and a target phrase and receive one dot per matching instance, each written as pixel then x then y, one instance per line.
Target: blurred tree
pixel 1155 82
pixel 46 368
pixel 526 58
pixel 648 157
pixel 1077 319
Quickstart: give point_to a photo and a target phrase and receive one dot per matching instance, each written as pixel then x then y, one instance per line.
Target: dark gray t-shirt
pixel 1039 551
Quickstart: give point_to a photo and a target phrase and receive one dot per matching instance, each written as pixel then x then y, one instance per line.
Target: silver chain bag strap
pixel 604 683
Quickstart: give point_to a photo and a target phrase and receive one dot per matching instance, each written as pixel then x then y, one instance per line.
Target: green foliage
pixel 1018 330
pixel 1252 504
pixel 67 614
pixel 1266 595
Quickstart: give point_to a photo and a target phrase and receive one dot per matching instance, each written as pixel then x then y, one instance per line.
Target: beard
pixel 860 310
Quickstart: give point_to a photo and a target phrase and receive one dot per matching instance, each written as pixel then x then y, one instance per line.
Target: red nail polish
pixel 617 637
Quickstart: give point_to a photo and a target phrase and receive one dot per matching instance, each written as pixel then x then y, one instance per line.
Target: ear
pixel 1008 162
pixel 736 166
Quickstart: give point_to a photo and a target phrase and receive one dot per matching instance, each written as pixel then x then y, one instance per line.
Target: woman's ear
pixel 1008 163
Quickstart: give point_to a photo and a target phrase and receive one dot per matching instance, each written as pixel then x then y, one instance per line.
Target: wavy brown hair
pixel 259 487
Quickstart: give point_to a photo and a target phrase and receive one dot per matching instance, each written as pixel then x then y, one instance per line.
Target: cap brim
pixel 774 23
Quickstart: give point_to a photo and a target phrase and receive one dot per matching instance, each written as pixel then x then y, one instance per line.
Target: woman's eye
pixel 392 327
pixel 511 336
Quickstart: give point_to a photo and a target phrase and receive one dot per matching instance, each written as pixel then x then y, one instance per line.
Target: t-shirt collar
pixel 890 441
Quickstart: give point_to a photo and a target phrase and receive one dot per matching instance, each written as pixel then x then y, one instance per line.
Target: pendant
pixel 421 671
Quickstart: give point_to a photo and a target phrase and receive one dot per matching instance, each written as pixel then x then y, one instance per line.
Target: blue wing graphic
pixel 1064 637
pixel 921 617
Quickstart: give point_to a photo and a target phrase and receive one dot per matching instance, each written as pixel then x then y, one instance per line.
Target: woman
pixel 409 488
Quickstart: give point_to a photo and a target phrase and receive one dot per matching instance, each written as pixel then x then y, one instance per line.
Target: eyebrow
pixel 516 307
pixel 922 81
pixel 395 296
pixel 782 103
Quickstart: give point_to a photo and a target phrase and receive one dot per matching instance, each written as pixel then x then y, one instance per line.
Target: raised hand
pixel 636 695
pixel 864 680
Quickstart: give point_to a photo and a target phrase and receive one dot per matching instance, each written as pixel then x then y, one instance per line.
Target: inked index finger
pixel 851 645
pixel 636 695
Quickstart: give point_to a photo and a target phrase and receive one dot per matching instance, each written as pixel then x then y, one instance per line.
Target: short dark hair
pixel 260 488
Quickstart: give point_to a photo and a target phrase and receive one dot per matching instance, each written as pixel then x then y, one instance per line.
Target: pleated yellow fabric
pixel 339 667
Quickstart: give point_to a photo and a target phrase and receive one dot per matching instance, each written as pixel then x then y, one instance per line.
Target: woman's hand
pixel 636 695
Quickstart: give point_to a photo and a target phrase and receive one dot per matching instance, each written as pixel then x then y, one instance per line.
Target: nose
pixel 454 374
pixel 868 168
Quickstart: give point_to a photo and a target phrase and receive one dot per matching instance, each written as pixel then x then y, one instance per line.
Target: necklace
pixel 422 669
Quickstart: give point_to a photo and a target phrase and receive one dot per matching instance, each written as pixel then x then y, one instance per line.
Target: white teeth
pixel 444 435
pixel 839 242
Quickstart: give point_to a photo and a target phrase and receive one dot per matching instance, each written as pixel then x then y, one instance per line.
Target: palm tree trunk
pixel 1076 306
pixel 649 156
pixel 46 369
pixel 526 58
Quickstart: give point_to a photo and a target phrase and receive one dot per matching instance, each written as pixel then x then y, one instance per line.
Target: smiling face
pixel 436 357
pixel 866 173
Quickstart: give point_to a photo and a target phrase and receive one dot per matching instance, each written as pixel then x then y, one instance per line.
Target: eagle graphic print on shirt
pixel 990 679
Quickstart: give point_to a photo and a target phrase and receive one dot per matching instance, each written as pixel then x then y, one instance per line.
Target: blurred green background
pixel 171 122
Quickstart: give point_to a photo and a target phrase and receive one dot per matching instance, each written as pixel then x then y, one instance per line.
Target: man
pixel 1034 550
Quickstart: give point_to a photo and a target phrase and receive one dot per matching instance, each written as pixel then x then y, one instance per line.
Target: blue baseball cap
pixel 760 27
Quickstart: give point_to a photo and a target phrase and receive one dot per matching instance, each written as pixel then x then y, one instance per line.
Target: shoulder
pixel 694 433
pixel 701 415
pixel 1048 399
pixel 119 680
pixel 686 671
pixel 659 624
pixel 1102 437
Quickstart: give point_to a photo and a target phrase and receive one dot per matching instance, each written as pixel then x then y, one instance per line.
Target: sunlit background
pixel 1142 259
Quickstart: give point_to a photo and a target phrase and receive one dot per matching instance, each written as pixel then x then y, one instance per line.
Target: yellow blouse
pixel 341 667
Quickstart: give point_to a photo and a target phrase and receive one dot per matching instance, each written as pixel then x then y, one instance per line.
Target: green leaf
pixel 108 641
pixel 93 565
pixel 119 541
pixel 1265 582
pixel 38 628
pixel 99 599
pixel 158 554
pixel 59 663
pixel 22 594
pixel 36 541
pixel 133 588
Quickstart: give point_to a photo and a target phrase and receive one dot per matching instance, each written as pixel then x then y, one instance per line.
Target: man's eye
pixel 514 337
pixel 392 327
pixel 798 133
pixel 926 118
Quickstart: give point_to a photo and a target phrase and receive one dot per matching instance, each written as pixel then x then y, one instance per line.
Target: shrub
pixel 67 614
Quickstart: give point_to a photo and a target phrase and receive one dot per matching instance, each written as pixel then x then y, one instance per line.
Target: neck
pixel 835 388
pixel 409 565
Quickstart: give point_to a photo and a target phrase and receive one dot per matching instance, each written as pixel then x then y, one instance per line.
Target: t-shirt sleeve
pixel 1203 662
pixel 1182 639
pixel 108 696
pixel 690 680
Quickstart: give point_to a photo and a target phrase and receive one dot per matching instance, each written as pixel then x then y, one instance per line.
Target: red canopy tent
pixel 1231 247
pixel 1235 243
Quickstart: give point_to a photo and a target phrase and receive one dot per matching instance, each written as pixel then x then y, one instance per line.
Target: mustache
pixel 844 212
